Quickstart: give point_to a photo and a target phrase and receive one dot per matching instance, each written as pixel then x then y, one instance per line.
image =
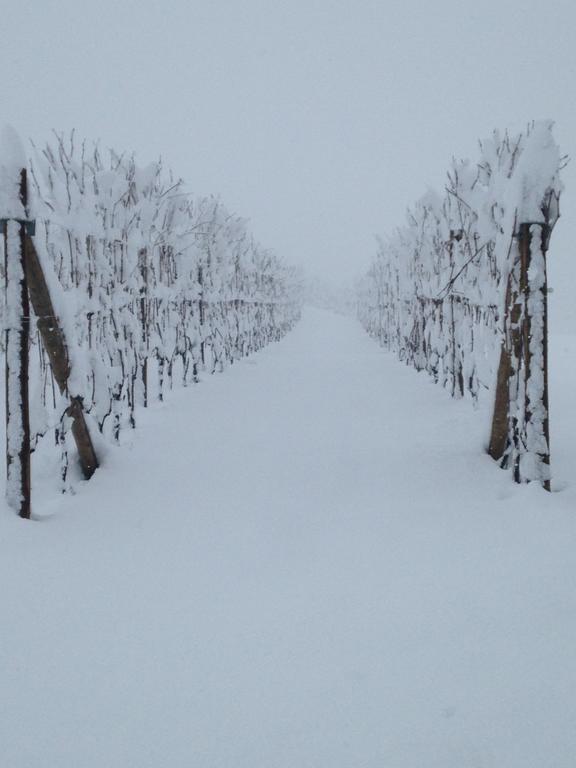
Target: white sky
pixel 319 120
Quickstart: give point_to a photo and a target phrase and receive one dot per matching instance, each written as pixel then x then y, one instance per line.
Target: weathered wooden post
pixel 54 343
pixel 143 265
pixel 498 447
pixel 17 341
pixel 533 428
pixel 520 434
pixel 201 311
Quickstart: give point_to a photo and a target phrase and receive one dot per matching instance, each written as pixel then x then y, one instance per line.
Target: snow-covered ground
pixel 303 562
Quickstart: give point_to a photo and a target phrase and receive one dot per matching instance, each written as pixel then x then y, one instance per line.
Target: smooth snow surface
pixel 330 576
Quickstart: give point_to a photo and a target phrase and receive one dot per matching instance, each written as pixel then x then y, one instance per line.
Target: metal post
pixel 17 341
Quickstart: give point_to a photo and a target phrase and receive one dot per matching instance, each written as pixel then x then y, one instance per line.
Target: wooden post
pixel 545 401
pixel 201 318
pixel 513 426
pixel 143 263
pixel 17 341
pixel 54 342
pixel 499 434
pixel 526 341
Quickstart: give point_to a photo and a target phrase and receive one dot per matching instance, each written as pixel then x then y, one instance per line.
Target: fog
pixel 318 120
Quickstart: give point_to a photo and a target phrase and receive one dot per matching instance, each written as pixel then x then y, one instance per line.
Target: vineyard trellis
pixel 461 290
pixel 144 284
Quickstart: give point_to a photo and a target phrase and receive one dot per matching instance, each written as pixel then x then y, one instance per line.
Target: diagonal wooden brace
pixel 54 343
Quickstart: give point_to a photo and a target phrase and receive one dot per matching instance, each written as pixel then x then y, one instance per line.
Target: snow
pixel 437 292
pixel 152 285
pixel 15 426
pixel 304 561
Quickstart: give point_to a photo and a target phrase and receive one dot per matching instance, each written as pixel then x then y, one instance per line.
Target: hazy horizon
pixel 320 122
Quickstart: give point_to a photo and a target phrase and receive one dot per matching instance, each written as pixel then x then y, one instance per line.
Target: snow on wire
pixel 150 284
pixel 460 290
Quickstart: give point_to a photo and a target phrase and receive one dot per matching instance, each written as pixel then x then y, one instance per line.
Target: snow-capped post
pixel 14 222
pixel 520 433
pixel 143 265
pixel 533 463
pixel 523 370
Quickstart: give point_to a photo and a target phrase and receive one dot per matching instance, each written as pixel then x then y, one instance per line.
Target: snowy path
pixel 300 563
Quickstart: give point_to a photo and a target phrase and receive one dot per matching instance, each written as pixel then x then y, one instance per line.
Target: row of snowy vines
pixel 446 292
pixel 149 283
